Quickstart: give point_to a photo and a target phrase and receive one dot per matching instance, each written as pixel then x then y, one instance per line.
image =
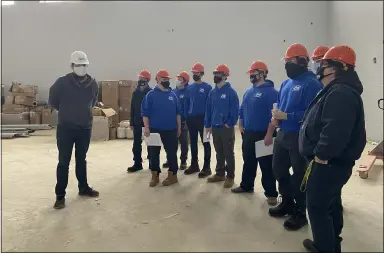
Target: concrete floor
pixel 130 216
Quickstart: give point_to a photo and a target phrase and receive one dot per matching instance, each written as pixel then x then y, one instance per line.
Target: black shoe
pixel 59 204
pixel 309 245
pixel 240 190
pixel 296 221
pixel 193 168
pixel 134 168
pixel 205 172
pixel 286 207
pixel 183 165
pixel 89 192
pixel 166 165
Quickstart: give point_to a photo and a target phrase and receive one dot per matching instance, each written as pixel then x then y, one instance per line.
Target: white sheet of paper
pixel 206 137
pixel 153 140
pixel 262 150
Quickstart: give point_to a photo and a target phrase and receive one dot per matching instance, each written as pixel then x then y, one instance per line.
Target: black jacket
pixel 333 126
pixel 137 97
pixel 74 100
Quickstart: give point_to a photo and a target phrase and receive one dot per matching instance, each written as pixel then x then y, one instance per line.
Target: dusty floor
pixel 130 216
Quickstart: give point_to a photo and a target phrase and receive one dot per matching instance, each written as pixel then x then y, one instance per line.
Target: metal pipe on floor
pixel 7 135
pixel 29 126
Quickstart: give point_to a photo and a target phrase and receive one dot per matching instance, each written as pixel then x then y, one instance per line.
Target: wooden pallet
pixel 369 160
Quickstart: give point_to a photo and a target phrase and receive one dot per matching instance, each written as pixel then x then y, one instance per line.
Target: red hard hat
pixel 198 67
pixel 184 75
pixel 222 68
pixel 145 73
pixel 319 52
pixel 258 65
pixel 342 53
pixel 296 50
pixel 163 73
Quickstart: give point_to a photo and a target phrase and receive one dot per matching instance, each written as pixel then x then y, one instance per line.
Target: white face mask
pixel 315 66
pixel 178 83
pixel 80 71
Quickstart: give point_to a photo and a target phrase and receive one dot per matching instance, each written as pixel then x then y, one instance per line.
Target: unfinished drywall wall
pixel 360 25
pixel 122 38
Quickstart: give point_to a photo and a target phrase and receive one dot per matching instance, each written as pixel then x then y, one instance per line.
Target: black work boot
pixel 296 221
pixel 183 165
pixel 166 165
pixel 194 168
pixel 309 245
pixel 134 168
pixel 59 204
pixel 205 172
pixel 286 207
pixel 88 192
pixel 240 190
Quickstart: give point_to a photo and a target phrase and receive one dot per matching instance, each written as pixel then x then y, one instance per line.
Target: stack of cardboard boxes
pixel 20 107
pixel 116 97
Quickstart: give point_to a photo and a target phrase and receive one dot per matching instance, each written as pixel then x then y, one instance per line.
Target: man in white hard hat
pixel 74 96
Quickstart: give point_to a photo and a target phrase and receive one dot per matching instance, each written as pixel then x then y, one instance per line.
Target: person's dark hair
pixel 340 67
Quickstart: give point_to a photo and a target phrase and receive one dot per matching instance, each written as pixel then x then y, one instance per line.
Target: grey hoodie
pixel 74 100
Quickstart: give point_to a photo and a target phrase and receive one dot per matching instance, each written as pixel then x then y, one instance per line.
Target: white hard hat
pixel 79 57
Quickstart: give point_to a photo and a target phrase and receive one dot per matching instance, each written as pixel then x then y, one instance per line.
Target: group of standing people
pixel 315 122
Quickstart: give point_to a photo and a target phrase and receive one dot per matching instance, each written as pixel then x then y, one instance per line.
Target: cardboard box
pixel 110 94
pixel 9 100
pixel 35 118
pixel 124 113
pixel 46 116
pixel 12 108
pixel 23 88
pixel 15 118
pixel 108 113
pixel 112 133
pixel 24 100
pixel 100 129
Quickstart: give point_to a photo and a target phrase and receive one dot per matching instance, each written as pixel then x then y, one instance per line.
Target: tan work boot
pixel 229 182
pixel 272 201
pixel 155 179
pixel 216 178
pixel 171 179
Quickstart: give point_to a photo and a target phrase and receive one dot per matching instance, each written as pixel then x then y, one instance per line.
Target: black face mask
pixel 320 73
pixel 253 79
pixel 196 77
pixel 217 79
pixel 142 82
pixel 294 70
pixel 166 84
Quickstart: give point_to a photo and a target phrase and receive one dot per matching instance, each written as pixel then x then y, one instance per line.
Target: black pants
pixel 325 209
pixel 183 140
pixel 66 138
pixel 169 140
pixel 196 126
pixel 268 179
pixel 286 154
pixel 137 145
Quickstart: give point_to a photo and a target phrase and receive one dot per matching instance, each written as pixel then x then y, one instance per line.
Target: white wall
pixel 122 38
pixel 360 25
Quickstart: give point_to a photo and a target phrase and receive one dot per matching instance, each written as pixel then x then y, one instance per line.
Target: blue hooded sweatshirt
pixel 196 99
pixel 255 110
pixel 180 94
pixel 222 107
pixel 161 107
pixel 294 97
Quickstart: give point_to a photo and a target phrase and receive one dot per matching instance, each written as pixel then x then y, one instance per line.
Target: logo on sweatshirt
pixel 223 96
pixel 259 94
pixel 296 88
pixel 181 96
pixel 170 98
pixel 201 90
